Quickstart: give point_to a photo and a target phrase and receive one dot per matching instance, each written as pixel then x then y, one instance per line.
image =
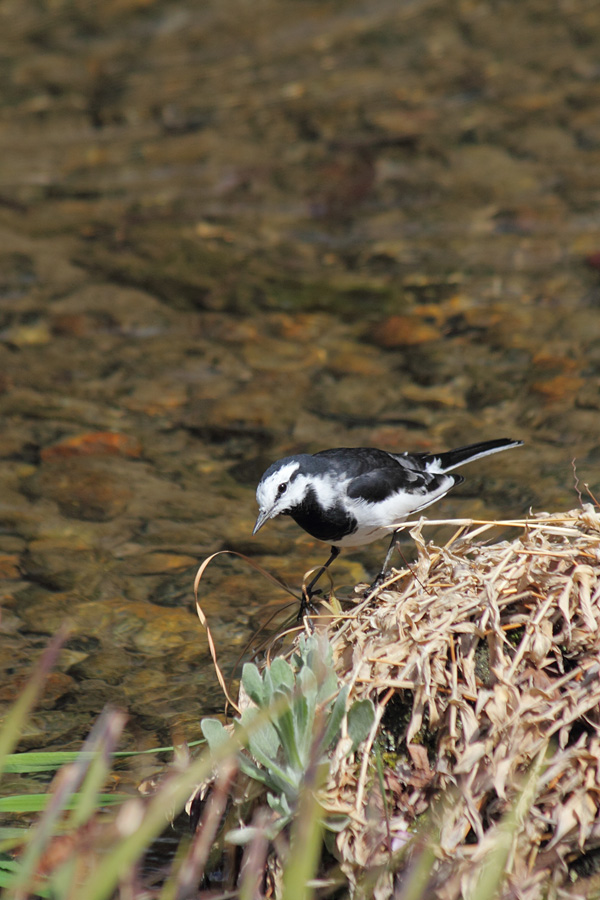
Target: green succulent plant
pixel 301 707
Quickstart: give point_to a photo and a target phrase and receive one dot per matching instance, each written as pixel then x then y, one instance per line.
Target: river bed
pixel 233 231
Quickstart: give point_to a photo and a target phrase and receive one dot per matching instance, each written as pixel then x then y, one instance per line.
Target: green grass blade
pixel 494 867
pixel 414 883
pixel 305 848
pixel 49 760
pixel 12 727
pixel 39 761
pixel 140 823
pixel 307 833
pixel 63 796
pixel 7 877
pixel 110 727
pixel 28 803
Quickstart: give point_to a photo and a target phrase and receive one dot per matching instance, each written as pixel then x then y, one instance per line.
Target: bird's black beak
pixel 263 515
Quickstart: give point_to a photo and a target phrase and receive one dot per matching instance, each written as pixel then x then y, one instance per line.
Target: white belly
pixel 376 520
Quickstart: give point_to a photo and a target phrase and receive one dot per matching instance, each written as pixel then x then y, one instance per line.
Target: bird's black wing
pixel 374 475
pixel 350 462
pixel 379 484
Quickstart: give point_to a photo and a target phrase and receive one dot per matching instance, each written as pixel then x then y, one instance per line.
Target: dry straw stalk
pixel 483 661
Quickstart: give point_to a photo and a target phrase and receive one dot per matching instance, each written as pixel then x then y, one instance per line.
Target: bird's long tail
pixel 445 462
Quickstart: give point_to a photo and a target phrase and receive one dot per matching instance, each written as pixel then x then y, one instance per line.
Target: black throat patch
pixel 328 525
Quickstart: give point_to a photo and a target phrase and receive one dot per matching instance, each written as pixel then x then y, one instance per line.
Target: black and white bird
pixel 349 497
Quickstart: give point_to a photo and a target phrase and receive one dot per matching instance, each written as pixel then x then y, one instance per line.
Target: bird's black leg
pixel 388 556
pixel 308 592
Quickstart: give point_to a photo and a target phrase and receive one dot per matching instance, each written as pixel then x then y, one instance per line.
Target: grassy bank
pixel 440 739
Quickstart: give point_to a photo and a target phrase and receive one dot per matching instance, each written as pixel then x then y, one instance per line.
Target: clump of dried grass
pixel 492 653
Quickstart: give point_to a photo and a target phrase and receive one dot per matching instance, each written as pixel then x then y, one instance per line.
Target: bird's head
pixel 282 487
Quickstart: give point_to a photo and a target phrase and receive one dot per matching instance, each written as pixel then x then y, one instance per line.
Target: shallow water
pixel 241 230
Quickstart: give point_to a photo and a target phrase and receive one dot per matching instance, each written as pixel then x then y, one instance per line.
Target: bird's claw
pixel 377 582
pixel 306 603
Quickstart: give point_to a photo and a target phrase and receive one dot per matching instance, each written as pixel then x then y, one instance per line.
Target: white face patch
pixel 276 493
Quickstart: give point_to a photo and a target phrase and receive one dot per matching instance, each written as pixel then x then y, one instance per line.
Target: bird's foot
pixel 306 604
pixel 377 582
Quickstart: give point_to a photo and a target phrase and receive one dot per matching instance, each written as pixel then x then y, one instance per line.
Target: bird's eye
pixel 281 489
